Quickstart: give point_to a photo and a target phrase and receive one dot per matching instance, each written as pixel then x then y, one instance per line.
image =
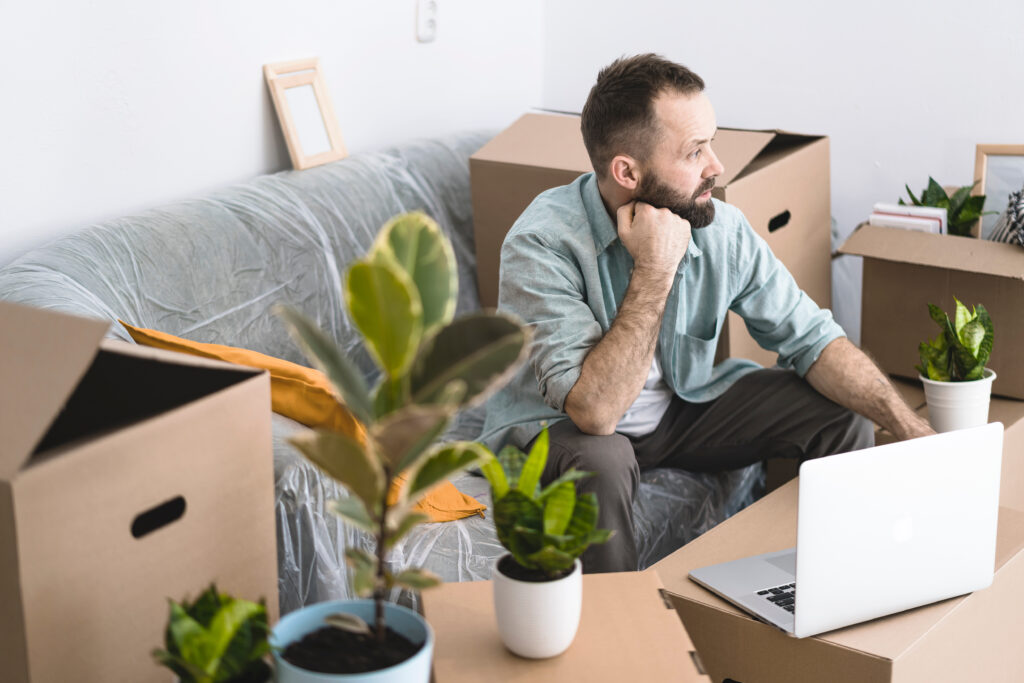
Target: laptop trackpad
pixel 786 562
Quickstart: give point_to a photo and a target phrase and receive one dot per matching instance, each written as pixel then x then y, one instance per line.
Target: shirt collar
pixel 601 226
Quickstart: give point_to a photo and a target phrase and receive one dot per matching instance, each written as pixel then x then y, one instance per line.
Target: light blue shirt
pixel 565 271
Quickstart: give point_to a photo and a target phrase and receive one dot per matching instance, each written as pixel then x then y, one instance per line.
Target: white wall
pixel 110 107
pixel 904 89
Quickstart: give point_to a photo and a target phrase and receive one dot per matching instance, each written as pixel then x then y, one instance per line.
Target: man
pixel 626 276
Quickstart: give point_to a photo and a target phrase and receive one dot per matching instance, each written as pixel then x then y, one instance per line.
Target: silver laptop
pixel 879 531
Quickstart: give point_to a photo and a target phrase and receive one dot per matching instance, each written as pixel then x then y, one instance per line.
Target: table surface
pixel 627 631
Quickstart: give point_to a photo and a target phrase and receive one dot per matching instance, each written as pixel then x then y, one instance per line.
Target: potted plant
pixel 957 385
pixel 401 297
pixel 963 209
pixel 216 639
pixel 538 588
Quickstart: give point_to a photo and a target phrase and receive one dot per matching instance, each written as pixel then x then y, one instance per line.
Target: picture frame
pixel 305 111
pixel 999 170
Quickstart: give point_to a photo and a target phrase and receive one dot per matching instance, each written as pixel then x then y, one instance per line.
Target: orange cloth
pixel 305 395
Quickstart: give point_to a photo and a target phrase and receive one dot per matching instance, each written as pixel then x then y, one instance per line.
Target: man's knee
pixel 610 458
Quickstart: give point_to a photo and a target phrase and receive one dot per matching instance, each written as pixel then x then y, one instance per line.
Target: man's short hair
pixel 619 114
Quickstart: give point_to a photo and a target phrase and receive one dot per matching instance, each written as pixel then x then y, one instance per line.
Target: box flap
pixel 965 254
pixel 544 140
pixel 737 148
pixel 45 354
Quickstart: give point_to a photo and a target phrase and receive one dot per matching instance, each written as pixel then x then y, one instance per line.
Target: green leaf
pixel 353 511
pixel 938 373
pixel 914 199
pixel 515 509
pixel 364 578
pixel 189 638
pixel 225 626
pixel 324 354
pixel 552 560
pixel 404 526
pixel 961 317
pixel 985 348
pixel 385 306
pixel 417 579
pixel 404 434
pixel 346 461
pixel 584 516
pixel 482 349
pixel 185 670
pixel 492 469
pixel 416 244
pixel 971 336
pixel 934 195
pixel 558 508
pixel 390 395
pixel 571 475
pixel 529 477
pixel 206 605
pixel 512 460
pixel 938 315
pixel 441 463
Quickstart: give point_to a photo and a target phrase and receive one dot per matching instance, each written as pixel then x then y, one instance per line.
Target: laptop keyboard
pixel 783 596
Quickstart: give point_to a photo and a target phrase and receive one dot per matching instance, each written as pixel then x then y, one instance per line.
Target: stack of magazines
pixel 923 218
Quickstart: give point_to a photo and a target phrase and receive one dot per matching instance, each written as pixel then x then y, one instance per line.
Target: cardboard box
pixel 970 638
pixel 627 632
pixel 906 270
pixel 127 476
pixel 779 180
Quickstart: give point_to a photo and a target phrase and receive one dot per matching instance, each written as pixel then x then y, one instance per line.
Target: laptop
pixel 879 531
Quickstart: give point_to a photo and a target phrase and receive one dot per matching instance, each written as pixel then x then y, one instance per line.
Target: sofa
pixel 211 268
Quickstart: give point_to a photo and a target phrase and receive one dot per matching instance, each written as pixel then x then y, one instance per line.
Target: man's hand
pixel 657 239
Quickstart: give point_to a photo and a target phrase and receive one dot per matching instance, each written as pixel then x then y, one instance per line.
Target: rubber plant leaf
pixel 416 579
pixel 403 526
pixel 440 463
pixel 346 379
pixel 482 349
pixel 352 510
pixel 347 622
pixel 402 435
pixel 416 244
pixel 346 461
pixel 385 306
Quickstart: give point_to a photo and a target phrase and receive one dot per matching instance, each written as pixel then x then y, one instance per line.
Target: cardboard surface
pixel 923 269
pixel 910 646
pixel 84 579
pixel 626 633
pixel 779 180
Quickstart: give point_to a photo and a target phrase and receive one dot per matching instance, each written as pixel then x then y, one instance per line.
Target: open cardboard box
pixel 128 476
pixel 905 270
pixel 779 180
pixel 970 638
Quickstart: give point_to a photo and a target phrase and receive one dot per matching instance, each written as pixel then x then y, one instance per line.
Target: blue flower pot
pixel 294 626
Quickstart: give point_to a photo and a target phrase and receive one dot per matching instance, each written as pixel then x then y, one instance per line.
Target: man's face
pixel 681 169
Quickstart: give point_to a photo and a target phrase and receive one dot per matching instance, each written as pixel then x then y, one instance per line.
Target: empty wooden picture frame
pixel 305 111
pixel 999 170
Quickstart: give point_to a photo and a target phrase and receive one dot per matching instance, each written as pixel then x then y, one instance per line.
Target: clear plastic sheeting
pixel 211 269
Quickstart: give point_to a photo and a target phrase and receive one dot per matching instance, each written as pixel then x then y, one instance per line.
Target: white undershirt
pixel 649 407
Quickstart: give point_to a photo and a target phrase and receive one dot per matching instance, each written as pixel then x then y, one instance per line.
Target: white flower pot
pixel 958 405
pixel 538 619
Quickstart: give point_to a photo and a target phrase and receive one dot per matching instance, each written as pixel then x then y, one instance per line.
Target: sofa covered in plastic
pixel 211 268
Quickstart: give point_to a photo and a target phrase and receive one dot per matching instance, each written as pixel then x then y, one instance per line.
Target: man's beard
pixel 659 195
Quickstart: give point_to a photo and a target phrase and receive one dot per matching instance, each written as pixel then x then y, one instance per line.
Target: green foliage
pixel 401 297
pixel 544 530
pixel 963 347
pixel 963 210
pixel 215 639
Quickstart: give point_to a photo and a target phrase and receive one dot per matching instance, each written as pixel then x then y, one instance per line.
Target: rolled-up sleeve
pixel 548 292
pixel 778 314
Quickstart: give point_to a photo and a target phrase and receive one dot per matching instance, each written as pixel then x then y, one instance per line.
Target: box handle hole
pixel 158 517
pixel 779 221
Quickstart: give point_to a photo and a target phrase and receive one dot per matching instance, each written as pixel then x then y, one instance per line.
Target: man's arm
pixel 844 374
pixel 614 371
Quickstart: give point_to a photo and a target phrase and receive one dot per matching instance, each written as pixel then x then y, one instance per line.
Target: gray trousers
pixel 767 413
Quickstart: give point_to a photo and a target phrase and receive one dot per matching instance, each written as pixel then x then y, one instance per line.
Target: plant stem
pixel 381 583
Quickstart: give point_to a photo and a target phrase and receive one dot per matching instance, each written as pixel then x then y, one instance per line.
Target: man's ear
pixel 625 171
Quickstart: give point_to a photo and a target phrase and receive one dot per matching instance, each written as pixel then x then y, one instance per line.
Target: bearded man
pixel 626 276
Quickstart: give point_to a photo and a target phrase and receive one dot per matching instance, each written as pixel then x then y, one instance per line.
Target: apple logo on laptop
pixel 903 529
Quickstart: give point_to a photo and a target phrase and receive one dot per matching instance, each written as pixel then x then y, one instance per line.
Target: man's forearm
pixel 844 374
pixel 614 371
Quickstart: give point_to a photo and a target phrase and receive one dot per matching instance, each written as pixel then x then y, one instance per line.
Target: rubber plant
pixel 544 529
pixel 216 639
pixel 401 297
pixel 962 349
pixel 963 209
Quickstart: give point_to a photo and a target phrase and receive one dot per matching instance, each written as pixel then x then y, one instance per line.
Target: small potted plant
pixel 216 639
pixel 538 588
pixel 963 209
pixel 957 385
pixel 401 297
